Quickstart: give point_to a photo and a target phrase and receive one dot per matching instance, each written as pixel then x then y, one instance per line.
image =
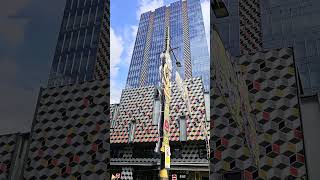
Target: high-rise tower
pixel 82 49
pixel 188 40
pixel 261 25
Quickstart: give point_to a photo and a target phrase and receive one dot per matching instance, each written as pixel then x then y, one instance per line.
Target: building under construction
pixel 134 133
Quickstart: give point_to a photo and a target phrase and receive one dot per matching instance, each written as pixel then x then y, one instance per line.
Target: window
pixel 81 3
pixel 132 128
pixel 95 37
pixel 78 19
pixel 91 16
pixel 88 38
pixel 75 67
pixel 64 21
pixel 55 64
pixel 156 109
pixel 74 41
pixel 81 39
pixel 91 65
pixel 71 21
pixel 68 4
pixel 69 63
pixel 85 17
pixel 83 66
pixel 67 42
pixel 99 15
pixel 75 4
pixel 62 64
pixel 183 128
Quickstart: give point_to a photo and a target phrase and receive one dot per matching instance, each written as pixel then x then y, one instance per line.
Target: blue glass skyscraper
pixel 82 49
pixel 187 38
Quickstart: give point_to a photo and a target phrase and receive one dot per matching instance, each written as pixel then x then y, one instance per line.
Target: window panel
pixel 67 42
pixel 81 39
pixel 99 15
pixel 68 4
pixel 183 128
pixel 71 21
pixel 76 64
pixel 64 21
pixel 91 65
pixel 83 66
pixel 74 4
pixel 85 17
pixel 95 38
pixel 62 64
pixel 74 40
pixel 91 16
pixel 78 19
pixel 88 38
pixel 81 3
pixel 69 63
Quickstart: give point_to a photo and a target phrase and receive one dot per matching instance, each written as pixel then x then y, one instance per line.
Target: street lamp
pixel 220 9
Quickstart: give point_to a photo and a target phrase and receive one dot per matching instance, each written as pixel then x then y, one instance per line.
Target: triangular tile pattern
pixel 127 173
pixel 271 80
pixel 250 26
pixel 233 128
pixel 7 147
pixel 272 87
pixel 137 105
pixel 197 124
pixel 70 136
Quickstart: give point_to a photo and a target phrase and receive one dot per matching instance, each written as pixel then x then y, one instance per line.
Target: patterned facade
pixel 187 36
pixel 7 149
pixel 250 26
pixel 70 134
pixel 264 86
pixel 82 49
pixel 254 25
pixel 134 129
pixel 137 109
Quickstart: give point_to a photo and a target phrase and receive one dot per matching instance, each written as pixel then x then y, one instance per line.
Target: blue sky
pixel 124 19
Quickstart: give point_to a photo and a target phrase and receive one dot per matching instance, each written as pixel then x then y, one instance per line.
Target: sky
pixel 28 33
pixel 124 19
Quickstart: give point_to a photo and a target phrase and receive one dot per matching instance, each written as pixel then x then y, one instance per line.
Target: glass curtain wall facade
pixel 198 43
pixel 81 50
pixel 187 38
pixel 286 23
pixel 292 23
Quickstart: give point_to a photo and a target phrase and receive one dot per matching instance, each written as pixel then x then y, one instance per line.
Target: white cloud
pixel 205 6
pixel 131 40
pixel 115 91
pixel 116 49
pixel 148 5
